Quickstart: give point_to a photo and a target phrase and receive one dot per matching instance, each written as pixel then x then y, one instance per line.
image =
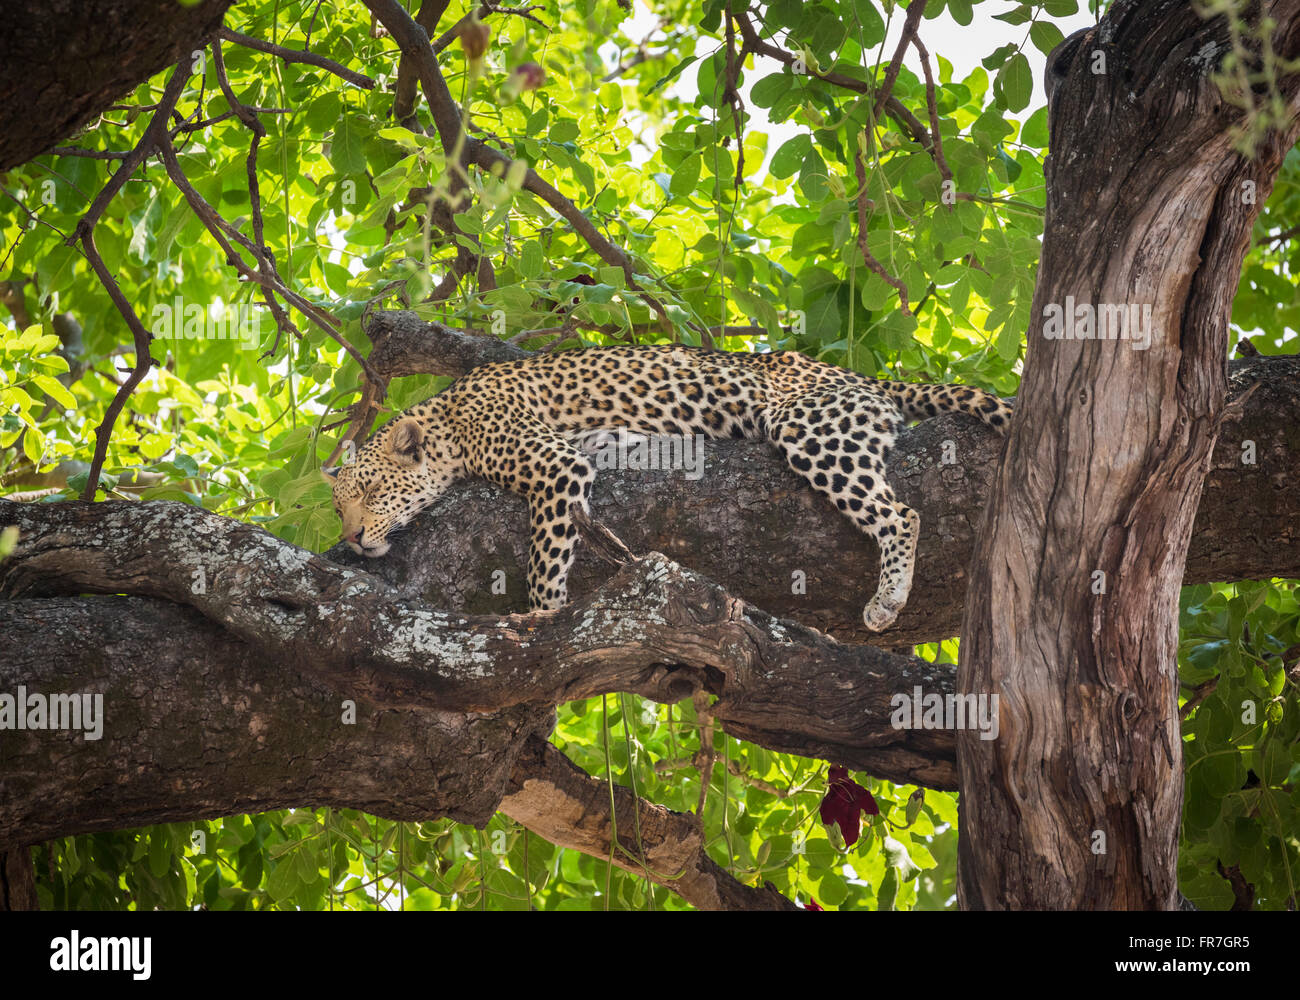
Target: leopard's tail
pixel 918 401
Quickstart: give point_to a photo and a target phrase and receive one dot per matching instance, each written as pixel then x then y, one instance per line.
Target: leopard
pixel 522 425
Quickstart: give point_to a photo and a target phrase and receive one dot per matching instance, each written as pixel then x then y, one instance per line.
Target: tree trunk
pixel 1072 607
pixel 62 62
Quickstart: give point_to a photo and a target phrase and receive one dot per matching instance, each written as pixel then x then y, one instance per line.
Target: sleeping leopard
pixel 520 424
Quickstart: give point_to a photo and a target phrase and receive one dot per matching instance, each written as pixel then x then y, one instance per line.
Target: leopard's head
pixel 398 473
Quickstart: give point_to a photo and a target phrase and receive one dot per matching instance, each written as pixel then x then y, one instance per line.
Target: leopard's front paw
pixel 881 612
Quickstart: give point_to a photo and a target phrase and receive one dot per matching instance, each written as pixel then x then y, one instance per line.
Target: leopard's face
pixel 395 476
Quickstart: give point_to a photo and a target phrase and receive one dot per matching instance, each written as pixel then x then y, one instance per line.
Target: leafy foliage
pixel 740 221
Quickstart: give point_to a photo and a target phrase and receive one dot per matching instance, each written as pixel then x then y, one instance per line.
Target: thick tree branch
pixel 45 96
pixel 654 629
pixel 233 744
pixel 749 523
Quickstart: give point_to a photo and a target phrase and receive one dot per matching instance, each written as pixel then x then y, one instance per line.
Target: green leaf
pixel 767 91
pixel 870 30
pixel 283 881
pixel 1017 15
pixel 564 130
pixel 55 390
pixel 1009 343
pixel 531 259
pixel 888 890
pixel 672 74
pixel 813 177
pixel 1045 36
pixel 323 113
pixel 347 152
pixel 790 157
pixel 160 852
pixel 686 176
pixel 1017 82
pixel 1034 132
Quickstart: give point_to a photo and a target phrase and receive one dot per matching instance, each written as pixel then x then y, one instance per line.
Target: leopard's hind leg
pixel 838 439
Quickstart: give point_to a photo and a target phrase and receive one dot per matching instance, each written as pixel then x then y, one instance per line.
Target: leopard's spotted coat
pixel 518 424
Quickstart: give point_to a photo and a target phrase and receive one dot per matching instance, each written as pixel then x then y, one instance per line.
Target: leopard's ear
pixel 329 473
pixel 404 443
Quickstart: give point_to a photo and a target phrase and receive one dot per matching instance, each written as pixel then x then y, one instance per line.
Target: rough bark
pixel 653 629
pixel 1078 803
pixel 246 733
pixel 62 62
pixel 17 881
pixel 199 724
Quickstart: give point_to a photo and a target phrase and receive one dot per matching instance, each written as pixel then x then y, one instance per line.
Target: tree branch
pixel 654 629
pixel 235 745
pixel 298 56
pixel 750 524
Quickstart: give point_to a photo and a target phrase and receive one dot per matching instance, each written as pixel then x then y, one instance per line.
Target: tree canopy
pixel 753 177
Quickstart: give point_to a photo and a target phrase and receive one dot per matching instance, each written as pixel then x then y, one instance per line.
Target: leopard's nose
pixel 354 537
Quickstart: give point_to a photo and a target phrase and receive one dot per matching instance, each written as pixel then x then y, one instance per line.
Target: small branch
pixel 85 233
pixel 704 725
pixel 90 154
pixel 699 759
pixel 893 107
pixel 429 15
pixel 914 12
pixel 452 33
pixel 1280 237
pixel 933 107
pixel 603 542
pixel 298 56
pixel 871 261
pixel 731 95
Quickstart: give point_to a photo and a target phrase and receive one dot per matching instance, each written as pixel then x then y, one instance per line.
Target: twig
pixel 603 542
pixel 893 106
pixel 90 154
pixel 704 718
pixel 85 234
pixel 913 18
pixel 731 95
pixel 452 33
pixel 871 261
pixel 933 107
pixel 298 56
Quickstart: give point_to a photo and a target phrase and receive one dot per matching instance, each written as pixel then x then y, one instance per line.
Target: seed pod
pixel 474 36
